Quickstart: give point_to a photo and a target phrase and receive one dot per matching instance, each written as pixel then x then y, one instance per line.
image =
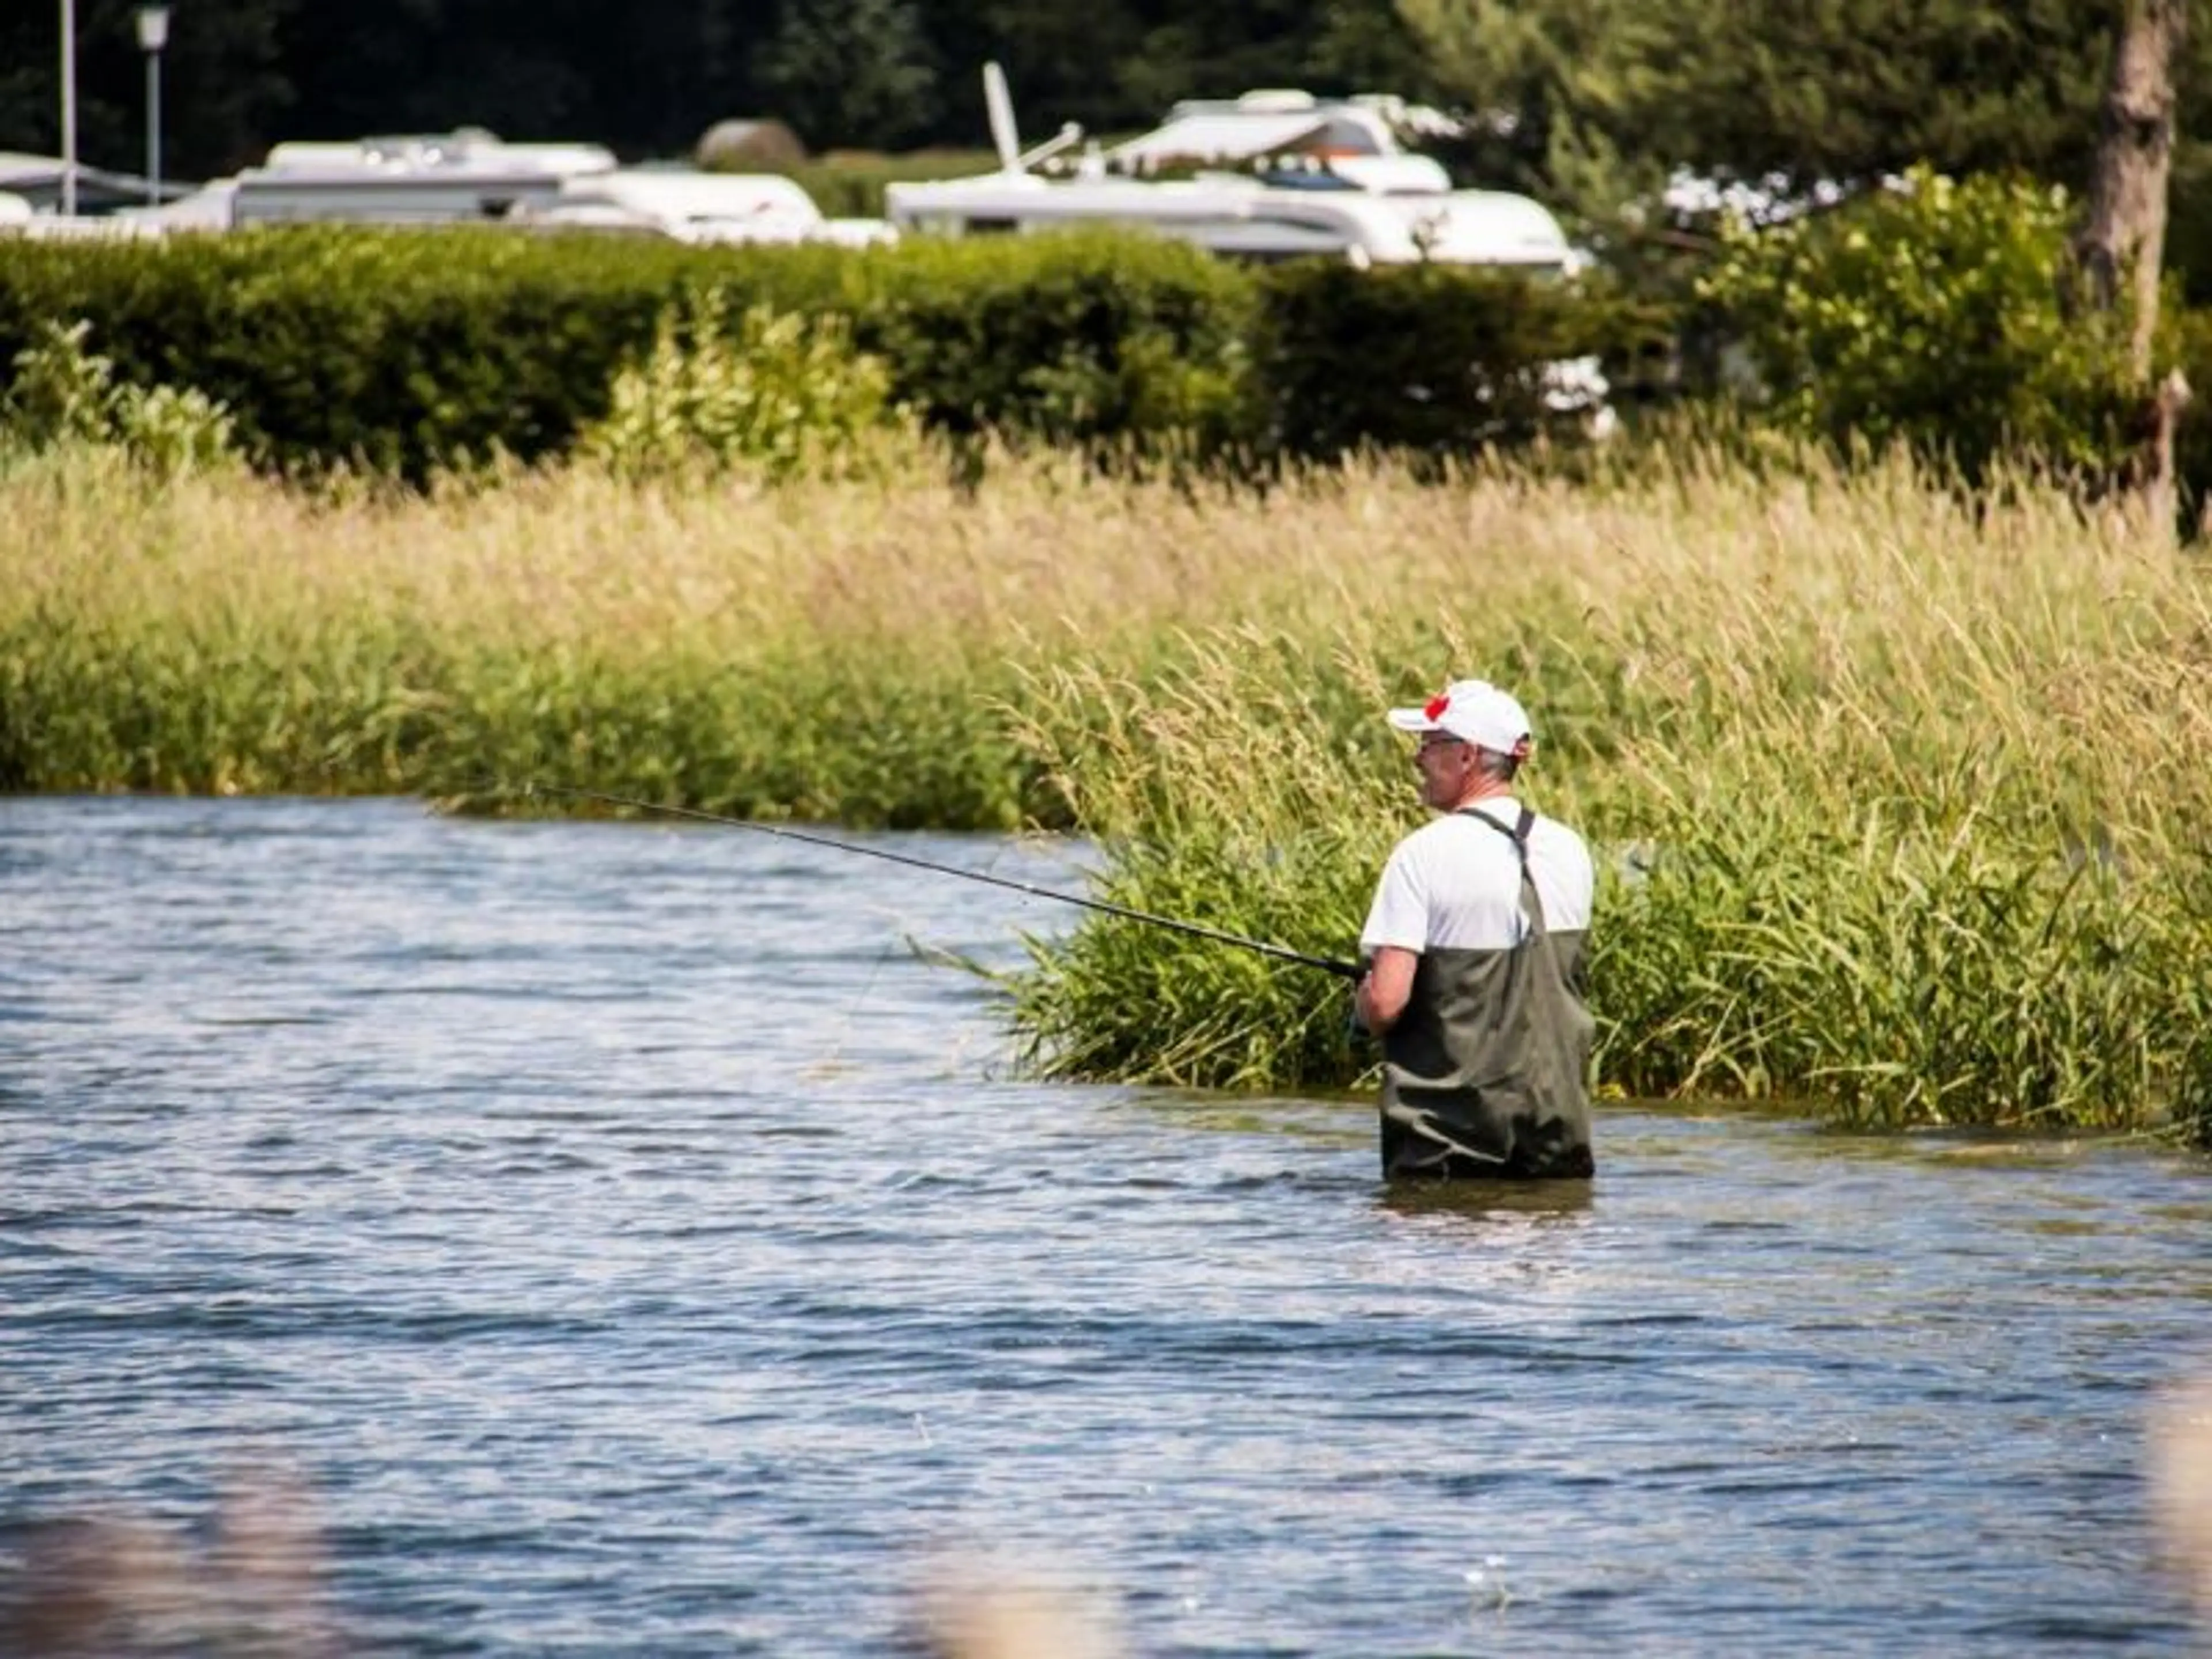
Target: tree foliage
pixel 1597 98
pixel 225 86
pixel 649 77
pixel 852 72
pixel 1930 313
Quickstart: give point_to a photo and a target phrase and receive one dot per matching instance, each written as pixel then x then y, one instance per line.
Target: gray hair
pixel 1499 768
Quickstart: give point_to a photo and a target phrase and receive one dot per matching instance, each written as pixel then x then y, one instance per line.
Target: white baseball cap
pixel 1474 711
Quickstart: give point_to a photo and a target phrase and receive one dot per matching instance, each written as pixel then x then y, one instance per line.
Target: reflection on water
pixel 638 1250
pixel 2181 1481
pixel 1489 1207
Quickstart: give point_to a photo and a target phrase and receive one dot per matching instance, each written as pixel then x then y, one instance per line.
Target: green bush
pixel 1933 314
pixel 780 393
pixel 1434 359
pixel 403 352
pixel 389 350
pixel 1081 338
pixel 64 393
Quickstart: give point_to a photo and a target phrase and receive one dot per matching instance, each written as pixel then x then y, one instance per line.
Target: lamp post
pixel 152 35
pixel 68 108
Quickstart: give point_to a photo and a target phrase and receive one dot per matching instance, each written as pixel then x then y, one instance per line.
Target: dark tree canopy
pixel 1808 90
pixel 1583 102
pixel 648 77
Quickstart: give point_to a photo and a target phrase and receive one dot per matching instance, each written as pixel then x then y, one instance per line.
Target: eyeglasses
pixel 1435 742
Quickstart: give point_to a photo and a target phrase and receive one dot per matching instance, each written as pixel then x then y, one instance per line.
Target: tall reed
pixel 1901 797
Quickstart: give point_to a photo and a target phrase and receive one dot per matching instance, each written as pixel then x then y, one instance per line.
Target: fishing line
pixel 828 1065
pixel 1341 968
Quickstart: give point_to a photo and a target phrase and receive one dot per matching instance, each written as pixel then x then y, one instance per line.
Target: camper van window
pixel 1301 180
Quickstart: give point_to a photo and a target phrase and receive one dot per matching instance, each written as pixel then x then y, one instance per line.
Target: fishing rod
pixel 1342 969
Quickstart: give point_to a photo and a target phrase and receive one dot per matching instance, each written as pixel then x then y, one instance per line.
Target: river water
pixel 634 1248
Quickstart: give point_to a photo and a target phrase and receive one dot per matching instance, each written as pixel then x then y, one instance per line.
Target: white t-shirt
pixel 1455 884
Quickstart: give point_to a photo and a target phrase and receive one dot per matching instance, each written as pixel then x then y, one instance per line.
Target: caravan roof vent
pixel 1273 100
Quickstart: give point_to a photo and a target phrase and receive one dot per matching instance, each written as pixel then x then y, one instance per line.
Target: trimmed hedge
pixel 1435 359
pixel 403 351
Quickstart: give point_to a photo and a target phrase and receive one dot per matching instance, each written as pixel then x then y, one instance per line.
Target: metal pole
pixel 153 129
pixel 152 35
pixel 69 106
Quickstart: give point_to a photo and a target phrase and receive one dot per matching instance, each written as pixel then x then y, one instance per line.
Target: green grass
pixel 1901 801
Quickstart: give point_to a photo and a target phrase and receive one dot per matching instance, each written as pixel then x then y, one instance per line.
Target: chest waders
pixel 1486 1074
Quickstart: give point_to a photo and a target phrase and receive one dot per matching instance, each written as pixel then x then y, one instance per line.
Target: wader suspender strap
pixel 1532 901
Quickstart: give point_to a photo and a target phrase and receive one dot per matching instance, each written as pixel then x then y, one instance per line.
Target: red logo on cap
pixel 1434 708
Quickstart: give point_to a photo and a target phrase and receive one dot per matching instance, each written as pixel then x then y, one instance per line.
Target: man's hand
pixel 1382 994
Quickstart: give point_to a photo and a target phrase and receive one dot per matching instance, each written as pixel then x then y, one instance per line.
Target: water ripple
pixel 637 1250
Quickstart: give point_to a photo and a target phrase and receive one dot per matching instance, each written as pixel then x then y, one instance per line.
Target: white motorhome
pixel 693 206
pixel 1354 139
pixel 1312 178
pixel 409 178
pixel 471 176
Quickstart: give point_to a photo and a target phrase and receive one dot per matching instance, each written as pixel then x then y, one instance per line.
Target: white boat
pixel 1313 178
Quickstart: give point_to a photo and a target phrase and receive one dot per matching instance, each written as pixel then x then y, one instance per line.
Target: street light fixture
pixel 152 35
pixel 68 108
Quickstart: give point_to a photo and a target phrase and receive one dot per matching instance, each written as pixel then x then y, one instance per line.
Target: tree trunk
pixel 2123 239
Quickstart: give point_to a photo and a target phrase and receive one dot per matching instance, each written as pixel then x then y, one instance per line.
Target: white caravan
pixel 426 179
pixel 1325 179
pixel 692 206
pixel 473 177
pixel 446 178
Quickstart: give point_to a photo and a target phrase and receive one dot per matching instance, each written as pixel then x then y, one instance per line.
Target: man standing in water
pixel 1476 961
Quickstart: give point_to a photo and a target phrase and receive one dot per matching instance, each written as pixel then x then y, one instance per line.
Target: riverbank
pixel 1904 794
